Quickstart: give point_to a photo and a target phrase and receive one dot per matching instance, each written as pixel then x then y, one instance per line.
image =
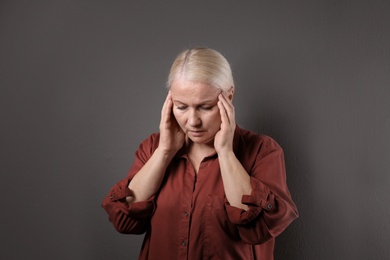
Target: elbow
pixel 256 238
pixel 255 233
pixel 267 227
pixel 121 229
pixel 277 224
pixel 126 225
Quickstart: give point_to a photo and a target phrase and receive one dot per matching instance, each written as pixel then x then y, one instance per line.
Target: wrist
pixel 225 152
pixel 166 154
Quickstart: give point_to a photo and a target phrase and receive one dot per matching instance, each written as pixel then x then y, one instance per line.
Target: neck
pixel 205 149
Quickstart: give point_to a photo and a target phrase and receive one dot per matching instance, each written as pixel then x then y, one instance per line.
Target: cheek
pixel 179 118
pixel 215 120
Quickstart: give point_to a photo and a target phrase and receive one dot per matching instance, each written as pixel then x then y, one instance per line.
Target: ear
pixel 230 93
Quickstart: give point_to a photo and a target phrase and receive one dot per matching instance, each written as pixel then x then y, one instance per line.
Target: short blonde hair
pixel 202 65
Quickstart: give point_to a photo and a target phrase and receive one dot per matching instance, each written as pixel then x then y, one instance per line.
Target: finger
pixel 167 108
pixel 227 100
pixel 223 112
pixel 228 108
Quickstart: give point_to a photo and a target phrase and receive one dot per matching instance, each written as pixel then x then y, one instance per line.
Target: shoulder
pixel 249 140
pixel 150 144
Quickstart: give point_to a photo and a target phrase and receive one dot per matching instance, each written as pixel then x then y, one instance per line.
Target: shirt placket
pixel 185 210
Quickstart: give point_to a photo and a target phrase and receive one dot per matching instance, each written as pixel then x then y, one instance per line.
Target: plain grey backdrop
pixel 82 84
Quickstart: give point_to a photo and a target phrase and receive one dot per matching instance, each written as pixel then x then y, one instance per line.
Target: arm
pixel 271 208
pixel 130 202
pixel 236 180
pixel 258 200
pixel 148 180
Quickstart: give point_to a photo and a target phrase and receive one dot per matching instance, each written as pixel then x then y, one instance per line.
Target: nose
pixel 194 119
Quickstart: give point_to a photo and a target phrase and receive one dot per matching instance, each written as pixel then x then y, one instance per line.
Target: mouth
pixel 196 132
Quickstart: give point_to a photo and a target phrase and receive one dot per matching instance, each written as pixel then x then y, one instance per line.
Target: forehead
pixel 193 92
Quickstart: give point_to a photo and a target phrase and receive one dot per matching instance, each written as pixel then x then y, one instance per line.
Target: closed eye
pixel 181 107
pixel 206 107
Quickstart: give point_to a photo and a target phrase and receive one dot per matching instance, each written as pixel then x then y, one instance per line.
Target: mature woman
pixel 203 188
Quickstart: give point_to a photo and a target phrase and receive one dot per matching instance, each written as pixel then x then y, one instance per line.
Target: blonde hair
pixel 202 65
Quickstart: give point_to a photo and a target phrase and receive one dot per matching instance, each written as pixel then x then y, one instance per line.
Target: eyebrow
pixel 206 102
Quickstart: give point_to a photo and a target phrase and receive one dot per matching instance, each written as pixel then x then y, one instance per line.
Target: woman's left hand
pixel 223 141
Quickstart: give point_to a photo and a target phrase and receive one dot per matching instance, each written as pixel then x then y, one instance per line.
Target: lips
pixel 196 132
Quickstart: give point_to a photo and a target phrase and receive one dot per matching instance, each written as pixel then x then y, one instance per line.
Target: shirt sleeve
pixel 131 218
pixel 271 208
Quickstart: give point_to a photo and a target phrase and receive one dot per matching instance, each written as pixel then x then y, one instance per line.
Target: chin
pixel 203 140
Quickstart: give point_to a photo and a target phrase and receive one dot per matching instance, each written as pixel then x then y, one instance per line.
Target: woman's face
pixel 195 109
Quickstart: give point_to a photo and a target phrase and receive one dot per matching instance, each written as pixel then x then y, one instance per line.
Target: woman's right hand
pixel 171 135
pixel 148 179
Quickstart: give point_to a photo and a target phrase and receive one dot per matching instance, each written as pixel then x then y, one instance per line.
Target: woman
pixel 203 188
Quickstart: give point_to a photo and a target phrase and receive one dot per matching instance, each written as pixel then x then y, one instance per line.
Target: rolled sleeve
pixel 119 193
pixel 131 218
pixel 260 199
pixel 127 218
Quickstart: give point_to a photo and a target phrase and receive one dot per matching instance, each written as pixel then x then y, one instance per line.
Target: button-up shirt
pixel 190 217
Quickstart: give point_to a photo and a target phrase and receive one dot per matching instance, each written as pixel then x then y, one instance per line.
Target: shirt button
pixel 186 213
pixel 269 206
pixel 183 242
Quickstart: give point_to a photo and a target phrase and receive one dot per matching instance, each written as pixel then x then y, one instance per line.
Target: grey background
pixel 82 83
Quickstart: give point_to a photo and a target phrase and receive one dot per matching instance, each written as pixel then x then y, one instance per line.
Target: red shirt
pixel 190 217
